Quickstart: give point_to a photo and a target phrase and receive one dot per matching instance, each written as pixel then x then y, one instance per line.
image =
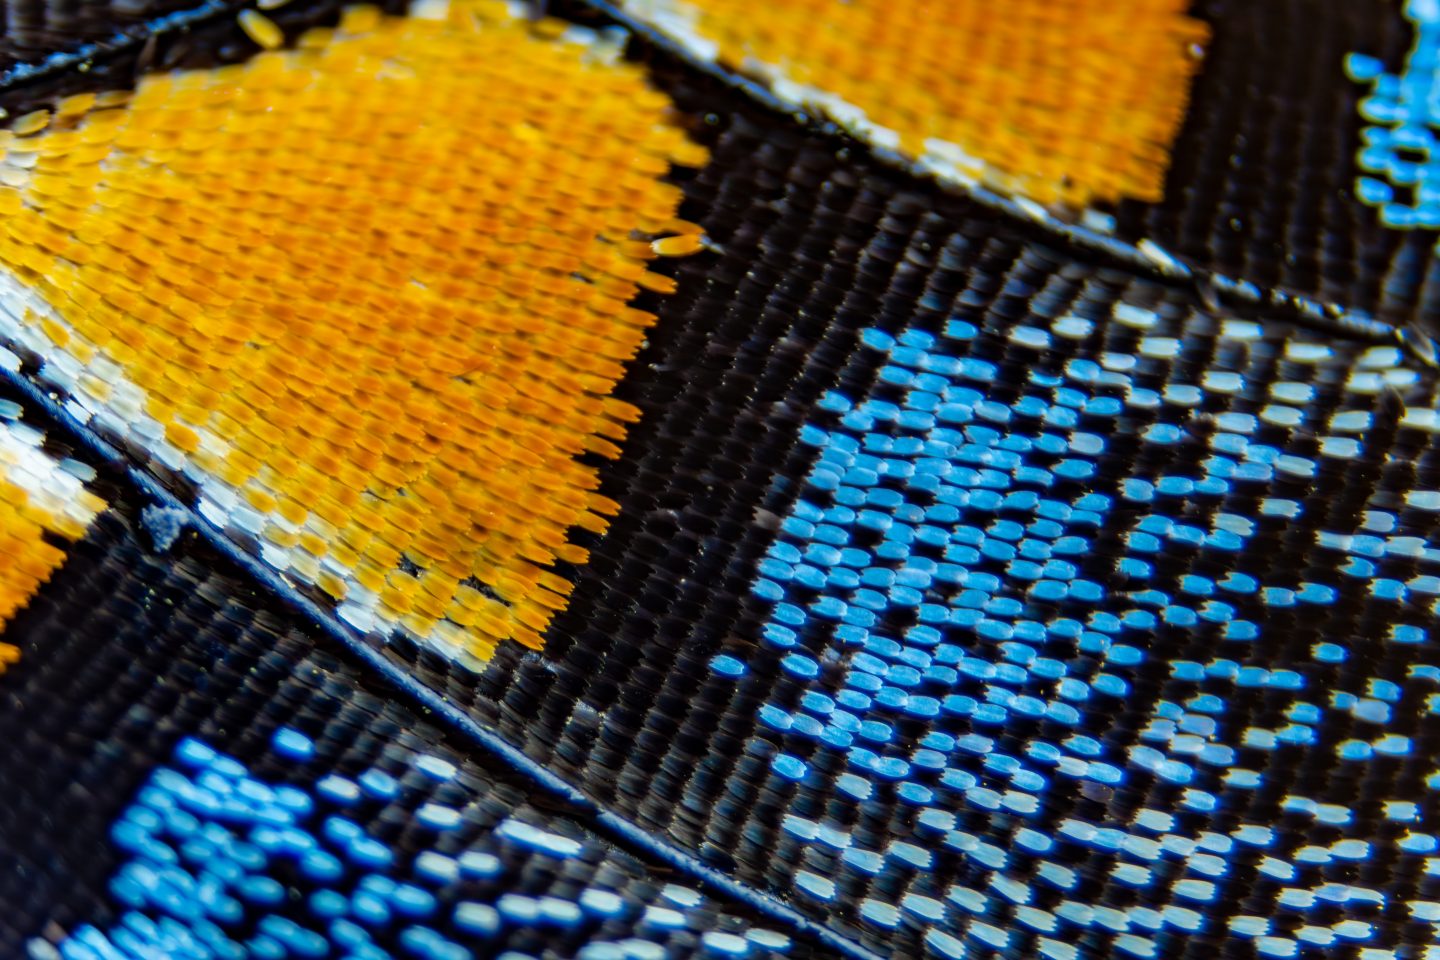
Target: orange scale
pixel 287 410
pixel 425 410
pixel 621 268
pixel 439 479
pixel 261 499
pixel 235 474
pixel 396 539
pixel 330 511
pixel 471 500
pixel 408 431
pixel 556 584
pixel 592 522
pixel 352 476
pixel 404 583
pixel 347 497
pixel 451 566
pixel 367 441
pixel 598 366
pixel 391 474
pixel 528 637
pixel 44 558
pixel 438 585
pixel 347 550
pixel 382 553
pixel 463 616
pixel 280 419
pixel 182 436
pixel 367 386
pixel 239 409
pixel 430 606
pixel 421 624
pixel 602 504
pixel 181 286
pixel 370 577
pixel 494 621
pixel 68 213
pixel 551 537
pixel 280 536
pixel 369 517
pixel 396 603
pixel 293 510
pixel 602 447
pixel 533 552
pixel 548 604
pixel 681 245
pixel 331 584
pixel 265 433
pixel 274 390
pixel 160 406
pixel 687 153
pixel 323 394
pixel 206 461
pixel 516 581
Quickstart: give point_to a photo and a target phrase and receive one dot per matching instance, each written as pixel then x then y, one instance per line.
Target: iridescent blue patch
pixel 223 865
pixel 944 549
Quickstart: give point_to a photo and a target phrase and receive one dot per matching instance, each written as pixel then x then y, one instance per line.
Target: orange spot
pixel 305 259
pixel 1064 101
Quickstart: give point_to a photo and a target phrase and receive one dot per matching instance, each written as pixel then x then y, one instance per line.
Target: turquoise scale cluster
pixel 223 865
pixel 935 525
pixel 1400 155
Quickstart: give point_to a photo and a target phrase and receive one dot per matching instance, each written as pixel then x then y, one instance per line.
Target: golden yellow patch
pixel 1062 101
pixel 370 293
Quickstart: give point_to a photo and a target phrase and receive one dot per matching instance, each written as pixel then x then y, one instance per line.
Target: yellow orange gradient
pixel 1072 102
pixel 370 294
